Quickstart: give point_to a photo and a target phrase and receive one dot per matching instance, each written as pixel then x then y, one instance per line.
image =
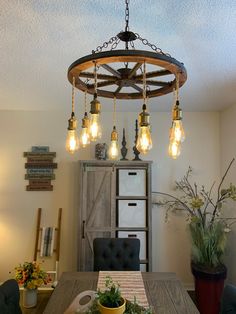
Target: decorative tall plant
pixel 208 227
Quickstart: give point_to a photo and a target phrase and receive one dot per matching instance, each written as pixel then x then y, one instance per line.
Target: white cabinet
pixel 115 201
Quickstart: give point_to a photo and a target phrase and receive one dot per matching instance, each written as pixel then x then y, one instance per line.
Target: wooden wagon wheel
pixel 117 78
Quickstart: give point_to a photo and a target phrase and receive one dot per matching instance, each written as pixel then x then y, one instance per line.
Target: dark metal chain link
pixel 113 41
pixel 127 15
pixel 152 46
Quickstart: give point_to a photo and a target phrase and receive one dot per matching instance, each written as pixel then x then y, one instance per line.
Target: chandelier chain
pixel 73 95
pixel 127 16
pixel 113 41
pixel 152 46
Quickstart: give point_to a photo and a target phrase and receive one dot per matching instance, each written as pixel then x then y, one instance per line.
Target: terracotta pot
pixel 29 298
pixel 114 310
pixel 209 286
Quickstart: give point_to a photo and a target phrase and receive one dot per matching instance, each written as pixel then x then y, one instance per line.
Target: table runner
pixel 131 285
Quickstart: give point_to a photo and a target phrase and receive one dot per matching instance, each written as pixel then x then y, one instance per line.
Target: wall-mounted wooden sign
pixel 40 168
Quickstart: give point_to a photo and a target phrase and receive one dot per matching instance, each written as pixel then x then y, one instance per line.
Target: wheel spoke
pixel 101 84
pixel 154 74
pixel 136 87
pixel 154 83
pixel 135 68
pixel 111 70
pixel 118 89
pixel 99 76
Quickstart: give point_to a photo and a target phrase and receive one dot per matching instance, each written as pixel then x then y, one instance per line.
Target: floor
pixel 44 296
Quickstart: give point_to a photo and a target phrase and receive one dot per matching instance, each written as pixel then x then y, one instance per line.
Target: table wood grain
pixel 165 292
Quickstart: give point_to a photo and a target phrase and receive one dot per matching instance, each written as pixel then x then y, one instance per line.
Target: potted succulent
pixel 110 300
pixel 208 230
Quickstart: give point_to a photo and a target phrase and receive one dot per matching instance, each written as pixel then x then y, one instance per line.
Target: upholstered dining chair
pixel 10 297
pixel 228 300
pixel 116 254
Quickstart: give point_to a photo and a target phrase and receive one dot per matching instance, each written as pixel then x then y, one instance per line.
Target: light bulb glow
pixel 113 151
pixel 144 142
pixel 174 149
pixel 95 127
pixel 84 137
pixel 177 131
pixel 72 141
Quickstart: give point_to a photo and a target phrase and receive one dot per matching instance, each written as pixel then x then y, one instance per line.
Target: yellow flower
pixel 196 202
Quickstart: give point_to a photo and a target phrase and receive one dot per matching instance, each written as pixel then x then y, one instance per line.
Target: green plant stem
pixel 178 200
pixel 219 199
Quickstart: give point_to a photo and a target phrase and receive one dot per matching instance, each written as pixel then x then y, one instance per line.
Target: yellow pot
pixel 114 310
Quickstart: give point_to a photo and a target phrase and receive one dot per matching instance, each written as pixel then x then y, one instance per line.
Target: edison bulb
pixel 72 141
pixel 95 127
pixel 84 137
pixel 177 131
pixel 174 149
pixel 144 142
pixel 113 151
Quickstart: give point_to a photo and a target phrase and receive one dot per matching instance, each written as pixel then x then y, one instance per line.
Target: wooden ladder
pixel 56 249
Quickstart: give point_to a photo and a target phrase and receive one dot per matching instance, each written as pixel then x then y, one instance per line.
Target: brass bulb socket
pixel 144 117
pixel 95 106
pixel 85 121
pixel 177 112
pixel 72 122
pixel 114 134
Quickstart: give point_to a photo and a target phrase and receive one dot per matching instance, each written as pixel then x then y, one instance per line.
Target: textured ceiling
pixel 39 39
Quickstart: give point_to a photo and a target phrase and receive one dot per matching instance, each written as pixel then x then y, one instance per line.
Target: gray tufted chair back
pixel 116 254
pixel 10 297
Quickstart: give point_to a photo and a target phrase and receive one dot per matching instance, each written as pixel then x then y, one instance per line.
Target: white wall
pixel 20 130
pixel 228 151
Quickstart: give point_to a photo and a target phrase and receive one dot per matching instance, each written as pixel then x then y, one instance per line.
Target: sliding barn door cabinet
pixel 115 201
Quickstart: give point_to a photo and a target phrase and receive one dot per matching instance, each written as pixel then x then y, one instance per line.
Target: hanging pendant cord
pixel 73 95
pixel 144 83
pixel 85 101
pixel 114 112
pixel 174 96
pixel 95 77
pixel 177 87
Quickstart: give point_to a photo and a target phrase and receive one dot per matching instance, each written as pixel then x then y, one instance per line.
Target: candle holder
pixel 135 150
pixel 124 149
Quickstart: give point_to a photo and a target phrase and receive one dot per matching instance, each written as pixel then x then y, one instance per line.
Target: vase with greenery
pixel 207 225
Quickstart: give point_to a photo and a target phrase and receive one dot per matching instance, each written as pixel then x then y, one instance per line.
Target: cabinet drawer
pixel 131 213
pixel 141 235
pixel 132 182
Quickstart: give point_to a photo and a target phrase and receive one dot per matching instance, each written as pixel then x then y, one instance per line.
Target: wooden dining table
pixel 165 292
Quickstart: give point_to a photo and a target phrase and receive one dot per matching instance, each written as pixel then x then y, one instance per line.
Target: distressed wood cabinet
pixel 115 201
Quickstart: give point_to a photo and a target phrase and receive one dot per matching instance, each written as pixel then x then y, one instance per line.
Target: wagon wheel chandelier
pixel 119 74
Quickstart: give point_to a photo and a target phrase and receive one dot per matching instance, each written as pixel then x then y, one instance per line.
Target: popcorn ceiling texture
pixel 40 39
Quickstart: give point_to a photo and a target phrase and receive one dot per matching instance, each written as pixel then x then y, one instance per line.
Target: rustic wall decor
pixel 40 168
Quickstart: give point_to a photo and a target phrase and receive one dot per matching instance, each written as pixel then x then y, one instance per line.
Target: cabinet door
pixel 97 211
